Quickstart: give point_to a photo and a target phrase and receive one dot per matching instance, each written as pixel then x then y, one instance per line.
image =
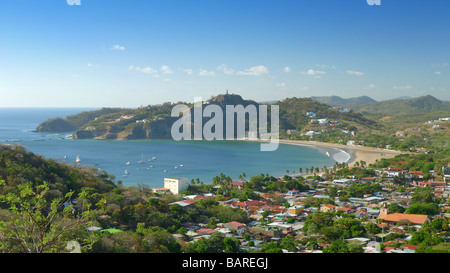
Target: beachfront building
pixel 176 184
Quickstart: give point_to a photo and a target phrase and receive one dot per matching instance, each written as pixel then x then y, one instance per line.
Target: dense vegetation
pixel 45 204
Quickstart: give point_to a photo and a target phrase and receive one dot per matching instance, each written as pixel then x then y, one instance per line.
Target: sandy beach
pixel 367 154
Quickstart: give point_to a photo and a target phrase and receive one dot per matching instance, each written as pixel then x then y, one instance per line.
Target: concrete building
pixel 176 184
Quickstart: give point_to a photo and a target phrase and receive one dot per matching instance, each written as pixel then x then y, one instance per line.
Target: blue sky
pixel 127 53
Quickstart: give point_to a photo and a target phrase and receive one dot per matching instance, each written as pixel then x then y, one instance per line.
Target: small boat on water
pixel 328 154
pixel 165 171
pixel 126 172
pixel 78 159
pixel 181 165
pixel 128 163
pixel 142 159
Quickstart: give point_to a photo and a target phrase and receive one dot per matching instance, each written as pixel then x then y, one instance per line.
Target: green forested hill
pixel 18 166
pixel 413 106
pixel 293 114
pixel 73 122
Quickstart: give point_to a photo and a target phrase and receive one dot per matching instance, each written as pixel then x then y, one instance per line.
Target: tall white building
pixel 176 184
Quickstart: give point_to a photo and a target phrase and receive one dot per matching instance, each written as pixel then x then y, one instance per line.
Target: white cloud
pixel 287 69
pixel 315 73
pixel 282 85
pixel 146 70
pixel 206 73
pixel 371 86
pixel 254 71
pixel 90 65
pixel 355 73
pixel 224 68
pixel 188 71
pixel 118 47
pixel 437 72
pixel 166 70
pixel 405 87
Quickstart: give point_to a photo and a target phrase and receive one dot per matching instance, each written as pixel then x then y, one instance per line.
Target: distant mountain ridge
pixel 404 106
pixel 338 101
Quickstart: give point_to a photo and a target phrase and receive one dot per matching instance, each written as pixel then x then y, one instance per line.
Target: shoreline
pixel 367 154
pixel 356 153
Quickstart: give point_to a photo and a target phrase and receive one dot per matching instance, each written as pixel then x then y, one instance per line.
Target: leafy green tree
pixel 271 247
pixel 33 225
pixel 288 243
pixel 216 243
pixel 423 195
pixel 423 208
pixel 212 222
pixel 231 245
pixel 372 228
pixel 160 241
pixel 337 246
pixel 395 208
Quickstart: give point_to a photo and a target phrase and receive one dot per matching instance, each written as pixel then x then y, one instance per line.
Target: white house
pixel 176 184
pixel 342 182
pixel 322 121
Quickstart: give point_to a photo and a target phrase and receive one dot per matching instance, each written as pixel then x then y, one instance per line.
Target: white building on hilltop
pixel 176 184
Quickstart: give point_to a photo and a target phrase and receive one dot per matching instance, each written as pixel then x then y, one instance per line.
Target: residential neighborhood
pixel 377 222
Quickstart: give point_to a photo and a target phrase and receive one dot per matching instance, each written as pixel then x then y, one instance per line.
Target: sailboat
pixel 328 154
pixel 128 163
pixel 142 159
pixel 78 159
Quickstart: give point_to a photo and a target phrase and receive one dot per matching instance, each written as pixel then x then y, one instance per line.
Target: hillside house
pixel 238 184
pixel 265 232
pixel 295 210
pixel 236 227
pixel 327 208
pixel 184 204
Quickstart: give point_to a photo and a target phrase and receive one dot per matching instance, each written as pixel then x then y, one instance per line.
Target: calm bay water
pixel 190 159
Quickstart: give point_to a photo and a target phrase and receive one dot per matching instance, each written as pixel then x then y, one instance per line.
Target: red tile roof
pixel 234 223
pixel 397 217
